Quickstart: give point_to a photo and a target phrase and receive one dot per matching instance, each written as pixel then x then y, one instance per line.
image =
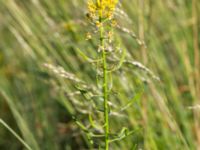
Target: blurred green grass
pixel 34 102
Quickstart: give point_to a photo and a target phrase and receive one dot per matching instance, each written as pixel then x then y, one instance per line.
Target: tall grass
pixel 38 103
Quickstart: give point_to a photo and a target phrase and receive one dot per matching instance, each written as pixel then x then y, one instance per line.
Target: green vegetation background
pixel 35 103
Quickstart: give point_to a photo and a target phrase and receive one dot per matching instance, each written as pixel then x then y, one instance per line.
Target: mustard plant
pixel 101 12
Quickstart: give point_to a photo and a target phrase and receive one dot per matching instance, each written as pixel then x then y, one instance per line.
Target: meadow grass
pixel 47 76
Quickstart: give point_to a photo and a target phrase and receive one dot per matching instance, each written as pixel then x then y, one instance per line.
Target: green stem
pixel 105 82
pixel 105 93
pixel 15 134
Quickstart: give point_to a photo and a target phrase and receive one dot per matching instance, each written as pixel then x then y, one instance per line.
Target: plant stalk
pixel 105 81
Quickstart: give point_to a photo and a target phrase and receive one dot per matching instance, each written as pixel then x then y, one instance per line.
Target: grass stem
pixel 15 134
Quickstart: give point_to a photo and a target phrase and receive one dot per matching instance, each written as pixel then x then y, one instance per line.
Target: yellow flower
pixel 106 7
pixel 91 6
pixel 98 24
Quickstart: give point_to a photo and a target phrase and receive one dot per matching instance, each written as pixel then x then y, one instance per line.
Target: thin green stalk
pixel 105 93
pixel 15 134
pixel 105 82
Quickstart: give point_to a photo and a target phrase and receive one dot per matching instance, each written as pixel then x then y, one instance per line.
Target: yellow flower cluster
pixel 103 8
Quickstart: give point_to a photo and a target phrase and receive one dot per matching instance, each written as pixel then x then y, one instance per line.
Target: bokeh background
pixel 36 104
